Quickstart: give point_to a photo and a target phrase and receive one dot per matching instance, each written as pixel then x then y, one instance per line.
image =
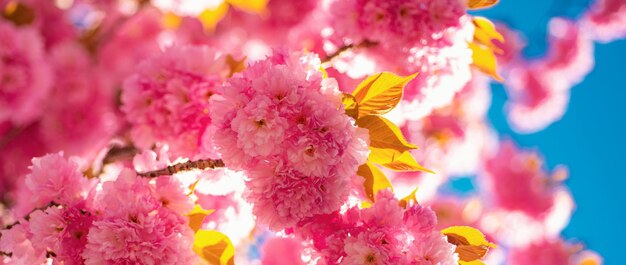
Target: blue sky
pixel 589 139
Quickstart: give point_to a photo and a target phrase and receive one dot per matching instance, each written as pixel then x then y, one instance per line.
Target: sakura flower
pixel 25 75
pixel 281 111
pixel 282 251
pixel 54 178
pixel 606 20
pixel 63 231
pixel 432 249
pixel 158 238
pixel 167 99
pixel 142 231
pixel 17 242
pixel 429 37
pixel 80 117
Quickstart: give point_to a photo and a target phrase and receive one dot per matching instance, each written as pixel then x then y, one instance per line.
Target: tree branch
pixel 342 49
pixel 186 166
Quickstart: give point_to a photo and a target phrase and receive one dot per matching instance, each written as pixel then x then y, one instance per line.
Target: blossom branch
pixel 27 216
pixel 342 49
pixel 186 166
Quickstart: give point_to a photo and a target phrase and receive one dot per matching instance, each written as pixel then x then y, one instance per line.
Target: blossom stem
pixel 27 216
pixel 185 166
pixel 342 49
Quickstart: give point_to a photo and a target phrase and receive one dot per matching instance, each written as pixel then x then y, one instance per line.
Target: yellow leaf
pixel 477 4
pixel 383 133
pixel 254 6
pixel 18 13
pixel 350 106
pixel 196 216
pixel 470 243
pixel 406 200
pixel 214 247
pixel 210 17
pixel 485 33
pixel 324 73
pixel 485 60
pixel 375 179
pixel 473 262
pixel 234 65
pixel 171 20
pixel 380 93
pixel 395 160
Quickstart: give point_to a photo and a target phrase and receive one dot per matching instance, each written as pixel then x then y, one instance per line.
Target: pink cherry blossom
pixel 25 74
pixel 17 242
pixel 281 110
pixel 63 231
pixel 54 178
pixel 606 20
pixel 167 99
pixel 282 251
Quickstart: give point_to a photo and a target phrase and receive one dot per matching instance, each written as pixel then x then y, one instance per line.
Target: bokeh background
pixel 588 139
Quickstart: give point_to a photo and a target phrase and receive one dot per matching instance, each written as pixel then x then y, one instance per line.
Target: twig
pixel 342 49
pixel 27 216
pixel 186 166
pixel 119 153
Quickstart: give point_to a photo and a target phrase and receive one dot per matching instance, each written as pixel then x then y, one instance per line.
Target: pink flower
pixel 536 98
pixel 401 22
pixel 432 249
pixel 80 117
pixel 385 233
pixel 136 226
pixel 283 196
pixel 606 20
pixel 127 195
pixel 134 41
pixel 282 251
pixel 55 178
pixel 375 247
pixel 516 180
pixel 570 53
pixel 419 219
pixel 281 110
pixel 542 253
pixel 25 75
pixel 160 237
pixel 63 231
pixel 539 90
pixel 17 242
pixel 167 99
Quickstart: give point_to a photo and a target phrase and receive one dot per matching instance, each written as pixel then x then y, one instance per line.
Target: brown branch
pixel 120 153
pixel 27 216
pixel 185 166
pixel 342 49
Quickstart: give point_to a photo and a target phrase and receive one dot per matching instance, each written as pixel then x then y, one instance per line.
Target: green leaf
pixel 380 93
pixel 375 179
pixel 395 160
pixel 214 247
pixel 384 134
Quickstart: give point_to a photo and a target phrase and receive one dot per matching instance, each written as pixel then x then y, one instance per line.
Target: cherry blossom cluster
pixel 236 132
